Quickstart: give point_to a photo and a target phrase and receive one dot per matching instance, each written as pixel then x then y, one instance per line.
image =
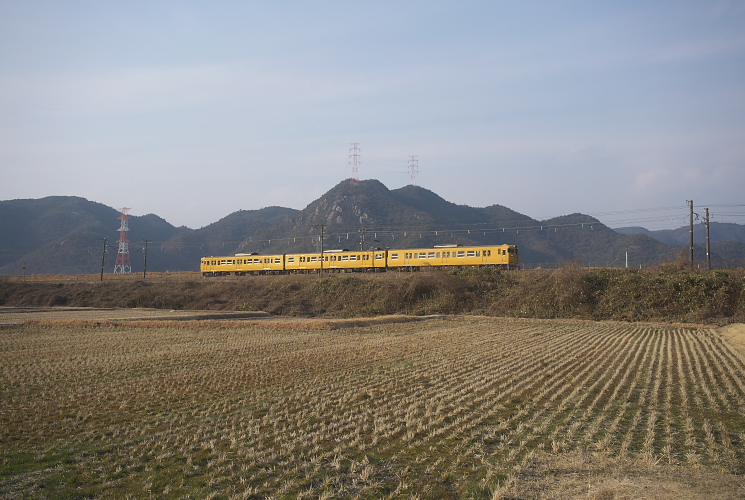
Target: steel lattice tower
pixel 354 160
pixel 413 168
pixel 122 256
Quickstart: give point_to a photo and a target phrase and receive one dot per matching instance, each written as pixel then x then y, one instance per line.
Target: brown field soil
pixel 135 405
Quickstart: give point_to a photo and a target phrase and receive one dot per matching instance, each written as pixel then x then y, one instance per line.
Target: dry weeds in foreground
pixel 459 408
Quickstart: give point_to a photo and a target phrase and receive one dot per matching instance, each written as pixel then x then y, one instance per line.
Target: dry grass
pixel 661 294
pixel 735 335
pixel 374 408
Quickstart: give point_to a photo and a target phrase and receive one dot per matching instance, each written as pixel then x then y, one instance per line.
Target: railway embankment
pixel 667 293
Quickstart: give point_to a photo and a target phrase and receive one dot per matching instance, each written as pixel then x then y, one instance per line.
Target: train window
pixel 478 253
pixel 504 252
pixel 431 255
pixel 394 256
pixel 378 256
pixel 291 259
pixel 352 257
pixel 470 253
pixel 423 255
pixel 461 254
pixel 488 253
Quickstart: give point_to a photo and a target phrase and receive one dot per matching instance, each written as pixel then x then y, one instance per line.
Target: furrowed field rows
pixel 436 409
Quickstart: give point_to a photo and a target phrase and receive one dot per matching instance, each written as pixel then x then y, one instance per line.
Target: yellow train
pixel 414 259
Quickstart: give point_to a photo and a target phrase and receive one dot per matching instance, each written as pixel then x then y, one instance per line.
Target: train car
pixel 302 262
pixel 503 256
pixel 350 261
pixel 337 261
pixel 241 264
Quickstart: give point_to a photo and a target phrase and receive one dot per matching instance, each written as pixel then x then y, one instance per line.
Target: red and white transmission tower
pixel 354 160
pixel 413 168
pixel 122 256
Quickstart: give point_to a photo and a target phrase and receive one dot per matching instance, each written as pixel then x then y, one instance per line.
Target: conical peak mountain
pixel 353 205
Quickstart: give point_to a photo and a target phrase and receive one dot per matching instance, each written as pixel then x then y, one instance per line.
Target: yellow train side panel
pixel 502 255
pixel 355 260
pixel 239 264
pixel 302 261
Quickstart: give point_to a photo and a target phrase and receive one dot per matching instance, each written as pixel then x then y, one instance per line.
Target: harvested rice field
pixel 442 407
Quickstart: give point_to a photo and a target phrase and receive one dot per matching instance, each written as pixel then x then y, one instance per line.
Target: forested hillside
pixel 65 235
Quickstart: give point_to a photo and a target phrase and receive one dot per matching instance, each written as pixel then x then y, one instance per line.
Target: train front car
pixel 502 256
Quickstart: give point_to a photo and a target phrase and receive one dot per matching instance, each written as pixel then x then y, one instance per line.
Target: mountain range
pixel 65 234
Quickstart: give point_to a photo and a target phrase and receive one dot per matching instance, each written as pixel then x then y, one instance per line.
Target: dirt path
pixel 17 315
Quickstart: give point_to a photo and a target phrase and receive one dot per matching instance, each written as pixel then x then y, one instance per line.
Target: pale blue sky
pixel 193 109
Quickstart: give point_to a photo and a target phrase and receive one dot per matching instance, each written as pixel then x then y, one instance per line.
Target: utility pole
pixel 708 241
pixel 362 241
pixel 103 258
pixel 322 256
pixel 690 206
pixel 144 269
